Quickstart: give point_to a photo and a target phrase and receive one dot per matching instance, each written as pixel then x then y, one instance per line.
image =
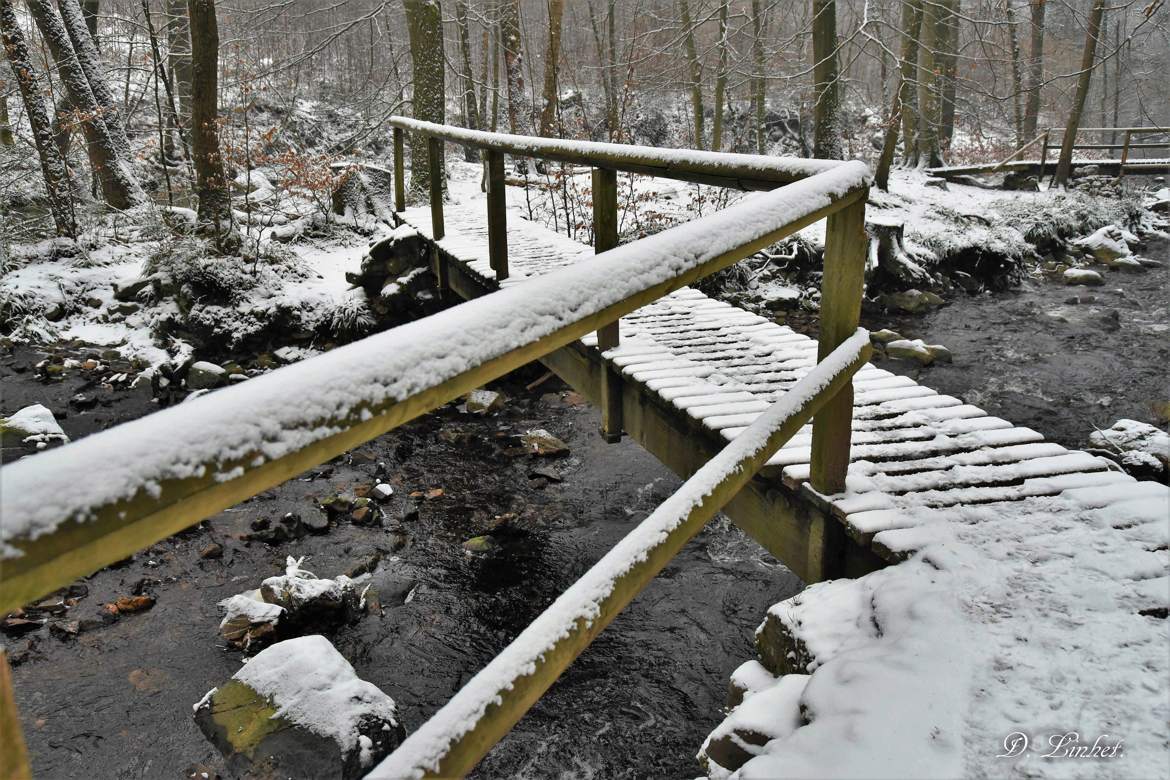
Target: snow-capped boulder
pixel 772 712
pixel 905 349
pixel 1105 245
pixel 911 301
pixel 1133 436
pixel 203 375
pixel 298 710
pixel 33 425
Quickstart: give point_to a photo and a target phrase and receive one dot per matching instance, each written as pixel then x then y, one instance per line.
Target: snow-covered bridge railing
pixel 70 511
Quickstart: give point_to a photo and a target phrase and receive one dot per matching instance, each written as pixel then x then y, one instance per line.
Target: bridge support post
pixel 14 757
pixel 497 215
pixel 435 163
pixel 399 171
pixel 1124 155
pixel 605 237
pixel 1043 157
pixel 841 288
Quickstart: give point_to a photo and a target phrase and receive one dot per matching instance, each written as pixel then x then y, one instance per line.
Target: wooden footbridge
pixel 836 467
pixel 1139 140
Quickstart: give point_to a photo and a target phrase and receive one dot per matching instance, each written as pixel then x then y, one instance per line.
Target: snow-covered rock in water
pixel 1127 263
pixel 540 442
pixel 248 620
pixel 31 425
pixel 1105 245
pixel 298 710
pixel 905 349
pixel 1083 276
pixel 1160 202
pixel 764 715
pixel 911 301
pixel 309 598
pixel 884 336
pixel 484 401
pixel 1134 436
pixel 203 375
pixel 1143 465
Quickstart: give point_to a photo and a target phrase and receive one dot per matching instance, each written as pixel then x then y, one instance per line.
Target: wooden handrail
pixel 150 478
pixel 452 742
pixel 722 169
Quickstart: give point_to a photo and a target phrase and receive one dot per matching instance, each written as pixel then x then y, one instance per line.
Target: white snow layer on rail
pixel 714 163
pixel 293 407
pixel 424 749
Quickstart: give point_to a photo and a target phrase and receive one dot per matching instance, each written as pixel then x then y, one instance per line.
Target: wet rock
pixel 483 401
pixel 34 425
pixel 203 375
pixel 128 605
pixel 314 523
pixel 1133 436
pixel 1083 276
pixel 547 473
pixel 381 492
pixel 143 384
pixel 213 551
pixel 337 505
pixel 1017 181
pixel 905 349
pixel 297 710
pixel 542 443
pixel 481 544
pixel 18 625
pixel 55 313
pixel 65 630
pixel 129 293
pixel 966 281
pixel 884 336
pixel 249 622
pixel 1129 264
pixel 911 301
pixel 940 353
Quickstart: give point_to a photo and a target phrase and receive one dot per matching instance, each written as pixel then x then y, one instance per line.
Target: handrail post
pixel 435 165
pixel 841 289
pixel 605 237
pixel 497 215
pixel 1043 156
pixel 1124 155
pixel 399 171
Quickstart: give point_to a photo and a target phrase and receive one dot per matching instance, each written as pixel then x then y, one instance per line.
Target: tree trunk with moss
pixel 929 101
pixel 112 172
pixel 827 109
pixel 552 58
pixel 1035 68
pixel 53 166
pixel 424 22
pixel 211 186
pixel 911 13
pixel 695 71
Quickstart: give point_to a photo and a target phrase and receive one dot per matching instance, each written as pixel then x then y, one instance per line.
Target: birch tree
pixel 53 167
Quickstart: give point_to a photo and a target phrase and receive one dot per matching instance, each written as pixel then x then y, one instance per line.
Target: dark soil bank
pixel 115 701
pixel 1056 358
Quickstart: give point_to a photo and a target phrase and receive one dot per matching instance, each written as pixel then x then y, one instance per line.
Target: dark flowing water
pixel 116 701
pixel 1060 359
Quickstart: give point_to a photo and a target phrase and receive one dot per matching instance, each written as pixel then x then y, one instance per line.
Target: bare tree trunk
pixel 210 180
pixel 909 78
pixel 1017 74
pixel 6 137
pixel 947 71
pixel 552 56
pixel 720 79
pixel 87 57
pixel 911 14
pixel 470 111
pixel 424 21
pixel 607 56
pixel 695 69
pixel 929 104
pixel 118 186
pixel 171 118
pixel 759 85
pixel 1088 62
pixel 53 167
pixel 826 112
pixel 89 10
pixel 1035 69
pixel 178 62
pixel 513 66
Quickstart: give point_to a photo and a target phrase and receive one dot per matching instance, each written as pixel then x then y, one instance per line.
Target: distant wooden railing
pixel 1125 146
pixel 73 510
